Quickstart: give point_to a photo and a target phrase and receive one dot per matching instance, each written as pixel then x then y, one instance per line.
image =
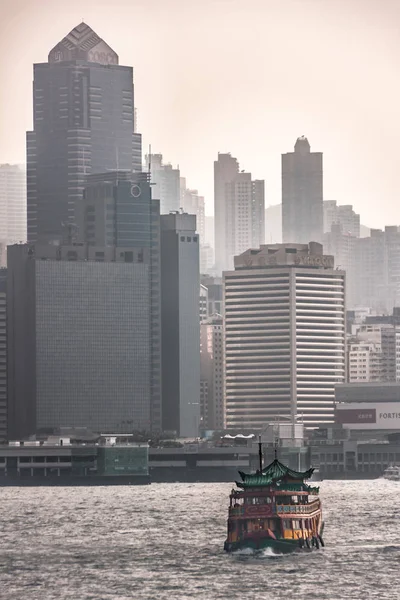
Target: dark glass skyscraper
pixel 83 123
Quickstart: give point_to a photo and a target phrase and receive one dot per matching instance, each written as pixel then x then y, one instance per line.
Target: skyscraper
pixel 12 207
pixel 239 208
pixel 79 339
pixel 180 285
pixel 3 355
pixel 302 196
pixel 166 183
pixel 343 215
pixel 83 123
pixel 119 211
pixel 284 335
pixel 212 389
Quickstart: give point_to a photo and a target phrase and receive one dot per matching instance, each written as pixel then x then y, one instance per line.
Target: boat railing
pixel 267 510
pixel 298 508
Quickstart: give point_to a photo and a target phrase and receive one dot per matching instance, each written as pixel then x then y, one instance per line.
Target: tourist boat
pixel 392 473
pixel 274 508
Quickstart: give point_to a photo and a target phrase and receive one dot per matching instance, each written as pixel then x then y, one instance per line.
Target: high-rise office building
pixel 193 204
pixel 119 211
pixel 214 294
pixel 302 195
pixel 273 224
pixel 239 207
pixel 83 123
pixel 342 246
pixel 180 285
pixel 284 335
pixel 12 207
pixel 165 182
pixel 3 355
pixel 376 273
pixel 212 389
pixel 342 215
pixel 79 341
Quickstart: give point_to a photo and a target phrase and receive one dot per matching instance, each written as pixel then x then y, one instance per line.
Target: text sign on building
pixel 365 415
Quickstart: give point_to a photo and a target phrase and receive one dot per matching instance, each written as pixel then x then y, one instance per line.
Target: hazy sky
pixel 245 77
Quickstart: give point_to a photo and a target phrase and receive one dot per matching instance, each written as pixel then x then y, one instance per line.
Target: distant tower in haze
pixel 83 123
pixel 302 196
pixel 165 180
pixel 239 208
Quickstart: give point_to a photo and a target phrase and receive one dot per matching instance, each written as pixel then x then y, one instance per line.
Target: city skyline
pixel 199 101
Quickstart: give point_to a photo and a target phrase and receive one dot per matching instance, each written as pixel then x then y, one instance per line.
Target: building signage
pixel 314 261
pixel 369 415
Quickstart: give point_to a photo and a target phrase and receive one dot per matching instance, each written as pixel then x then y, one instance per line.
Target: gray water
pixel 165 541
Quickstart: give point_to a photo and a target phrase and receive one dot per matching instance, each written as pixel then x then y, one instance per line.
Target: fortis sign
pixel 369 415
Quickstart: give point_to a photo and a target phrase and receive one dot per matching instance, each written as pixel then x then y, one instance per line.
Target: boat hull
pixel 278 546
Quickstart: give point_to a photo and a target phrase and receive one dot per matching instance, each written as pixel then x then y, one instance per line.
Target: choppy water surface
pixel 165 541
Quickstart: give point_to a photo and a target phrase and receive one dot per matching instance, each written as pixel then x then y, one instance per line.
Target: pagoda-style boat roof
pixel 275 473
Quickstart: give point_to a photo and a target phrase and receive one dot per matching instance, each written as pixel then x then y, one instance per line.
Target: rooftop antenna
pixel 260 456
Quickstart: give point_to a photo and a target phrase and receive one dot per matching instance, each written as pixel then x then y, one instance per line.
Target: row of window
pixel 188 238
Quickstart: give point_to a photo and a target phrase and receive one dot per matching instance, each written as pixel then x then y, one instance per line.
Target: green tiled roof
pixel 275 473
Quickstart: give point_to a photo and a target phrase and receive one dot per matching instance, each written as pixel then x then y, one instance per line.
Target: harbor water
pixel 165 542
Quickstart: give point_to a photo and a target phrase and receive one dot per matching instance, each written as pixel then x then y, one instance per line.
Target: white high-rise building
pixel 239 207
pixel 13 219
pixel 165 183
pixel 364 362
pixel 284 337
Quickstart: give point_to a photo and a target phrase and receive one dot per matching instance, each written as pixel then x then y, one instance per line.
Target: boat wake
pixel 264 553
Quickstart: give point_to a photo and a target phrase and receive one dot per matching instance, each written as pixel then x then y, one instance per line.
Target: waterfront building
pixel 302 194
pixel 284 341
pixel 79 338
pixel 3 355
pixel 83 123
pixel 119 211
pixel 180 285
pixel 239 207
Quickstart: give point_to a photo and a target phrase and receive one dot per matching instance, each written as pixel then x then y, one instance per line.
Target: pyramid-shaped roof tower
pixel 82 43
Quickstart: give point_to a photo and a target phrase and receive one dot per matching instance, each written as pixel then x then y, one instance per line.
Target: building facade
pixel 284 340
pixel 3 355
pixel 342 215
pixel 343 247
pixel 180 285
pixel 79 343
pixel 12 208
pixel 239 207
pixel 83 123
pixel 376 274
pixel 302 195
pixel 212 398
pixel 165 180
pixel 119 211
pixel 364 361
